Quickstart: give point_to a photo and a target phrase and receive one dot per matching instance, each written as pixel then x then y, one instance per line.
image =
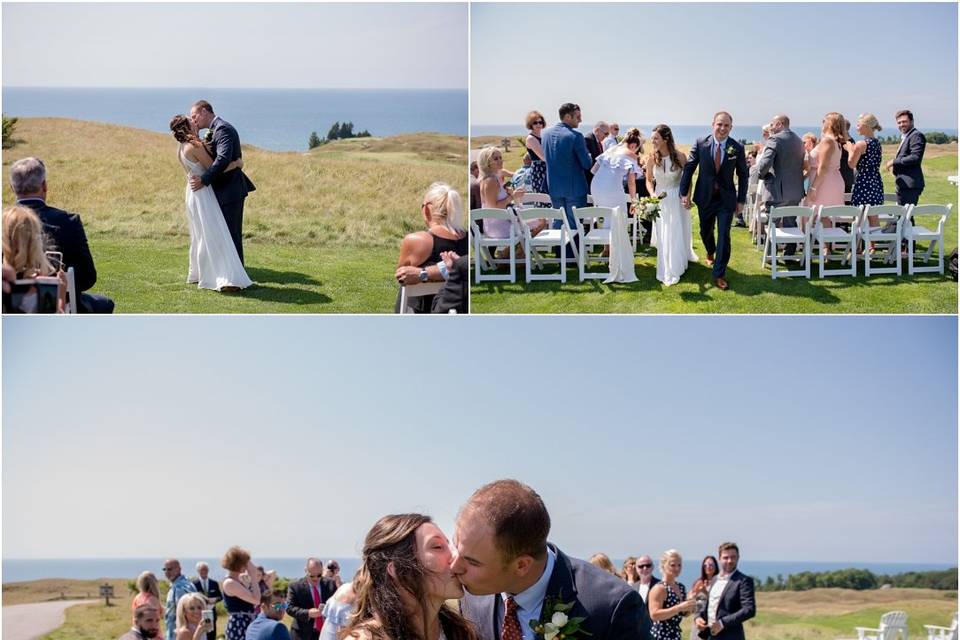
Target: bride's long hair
pixel 182 130
pixel 675 157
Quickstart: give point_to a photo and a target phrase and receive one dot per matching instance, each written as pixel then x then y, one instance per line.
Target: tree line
pixel 338 131
pixel 933 137
pixel 859 579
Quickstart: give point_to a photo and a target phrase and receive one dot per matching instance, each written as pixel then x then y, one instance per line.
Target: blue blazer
pixel 263 628
pixel 567 160
pixel 231 186
pixel 734 161
pixel 906 166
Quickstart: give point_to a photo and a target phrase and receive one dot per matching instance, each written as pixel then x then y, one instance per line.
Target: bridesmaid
pixel 826 183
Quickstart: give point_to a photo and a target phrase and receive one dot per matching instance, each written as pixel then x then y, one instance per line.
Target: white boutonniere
pixel 559 626
pixel 731 153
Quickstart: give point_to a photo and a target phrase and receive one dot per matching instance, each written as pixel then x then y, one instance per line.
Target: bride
pixel 672 234
pixel 214 263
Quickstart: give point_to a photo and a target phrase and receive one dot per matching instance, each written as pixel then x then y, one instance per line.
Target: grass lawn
pixel 751 288
pixel 321 232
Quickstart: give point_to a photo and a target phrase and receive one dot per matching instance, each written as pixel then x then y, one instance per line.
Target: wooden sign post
pixel 106 591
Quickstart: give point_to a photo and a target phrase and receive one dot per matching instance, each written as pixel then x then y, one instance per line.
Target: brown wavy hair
pixel 182 131
pixel 834 124
pixel 664 132
pixel 392 542
pixel 633 137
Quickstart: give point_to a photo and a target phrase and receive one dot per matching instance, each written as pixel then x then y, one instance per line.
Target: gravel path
pixel 29 621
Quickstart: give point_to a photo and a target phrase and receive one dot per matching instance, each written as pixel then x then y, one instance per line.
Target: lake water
pixel 18 570
pixel 276 119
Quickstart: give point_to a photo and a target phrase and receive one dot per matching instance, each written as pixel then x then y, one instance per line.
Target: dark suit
pixel 715 194
pixel 299 603
pixel 230 187
pixel 613 610
pixel 65 231
pixel 454 293
pixel 212 593
pixel 737 605
pixel 594 148
pixel 906 168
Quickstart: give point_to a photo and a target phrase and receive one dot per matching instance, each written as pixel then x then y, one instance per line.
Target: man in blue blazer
pixel 268 624
pixel 906 165
pixel 717 198
pixel 567 161
pixel 731 601
pixel 513 577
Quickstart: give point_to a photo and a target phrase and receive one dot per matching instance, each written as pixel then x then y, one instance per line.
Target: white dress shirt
pixel 716 591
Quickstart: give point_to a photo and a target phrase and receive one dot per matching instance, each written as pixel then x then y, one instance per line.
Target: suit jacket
pixel 737 605
pixel 213 590
pixel 612 609
pixel 455 291
pixel 906 165
pixel 230 186
pixel 263 628
pixel 65 231
pixel 300 601
pixel 594 148
pixel 780 166
pixel 567 159
pixel 733 161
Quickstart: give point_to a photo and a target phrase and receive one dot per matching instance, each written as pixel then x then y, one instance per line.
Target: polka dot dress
pixel 868 187
pixel 237 625
pixel 669 629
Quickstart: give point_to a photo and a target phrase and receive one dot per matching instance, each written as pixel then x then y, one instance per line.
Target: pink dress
pixel 829 192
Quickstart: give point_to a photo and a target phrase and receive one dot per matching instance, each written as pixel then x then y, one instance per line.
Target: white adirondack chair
pixel 942 633
pixel 893 626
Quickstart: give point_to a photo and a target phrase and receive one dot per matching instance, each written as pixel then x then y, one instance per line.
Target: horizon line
pixel 30 86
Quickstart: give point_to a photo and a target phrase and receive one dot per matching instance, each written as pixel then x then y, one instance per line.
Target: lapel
pixel 487 616
pixel 734 577
pixel 903 143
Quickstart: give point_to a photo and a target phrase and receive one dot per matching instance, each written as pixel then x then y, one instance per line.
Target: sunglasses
pixel 279 606
pixel 539 122
pixel 645 566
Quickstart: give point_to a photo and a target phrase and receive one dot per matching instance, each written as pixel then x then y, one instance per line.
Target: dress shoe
pixel 709 259
pixel 721 284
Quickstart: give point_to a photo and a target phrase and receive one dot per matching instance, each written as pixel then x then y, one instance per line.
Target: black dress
pixel 868 187
pixel 460 246
pixel 669 629
pixel 538 171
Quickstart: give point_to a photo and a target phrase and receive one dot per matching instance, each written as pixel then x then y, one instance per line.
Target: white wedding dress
pixel 214 263
pixel 672 232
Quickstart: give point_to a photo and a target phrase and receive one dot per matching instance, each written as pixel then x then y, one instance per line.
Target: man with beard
pixel 146 624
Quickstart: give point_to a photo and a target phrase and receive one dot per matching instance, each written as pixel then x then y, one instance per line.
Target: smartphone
pixel 208 618
pixel 34 295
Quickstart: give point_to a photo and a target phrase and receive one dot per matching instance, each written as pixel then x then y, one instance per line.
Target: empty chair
pixel 913 233
pixel 72 304
pixel 783 236
pixel 596 236
pixel 546 239
pixel 829 237
pixel 888 232
pixel 533 199
pixel 942 633
pixel 482 244
pixel 893 626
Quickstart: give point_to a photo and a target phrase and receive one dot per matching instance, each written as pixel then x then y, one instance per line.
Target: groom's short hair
pixel 722 113
pixel 203 104
pixel 567 108
pixel 517 516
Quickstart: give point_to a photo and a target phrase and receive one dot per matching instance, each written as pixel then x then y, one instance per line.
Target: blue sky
pixel 646 63
pixel 298 45
pixel 664 432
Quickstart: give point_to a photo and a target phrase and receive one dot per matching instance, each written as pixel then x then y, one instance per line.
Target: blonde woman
pixel 24 249
pixel 602 561
pixel 866 156
pixel 190 624
pixel 668 601
pixel 148 592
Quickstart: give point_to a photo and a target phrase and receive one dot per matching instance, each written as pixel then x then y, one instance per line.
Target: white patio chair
pixel 596 236
pixel 827 236
pixel 869 234
pixel 533 199
pixel 73 301
pixel 893 625
pixel 482 245
pixel 912 233
pixel 890 197
pixel 777 237
pixel 418 290
pixel 942 633
pixel 548 239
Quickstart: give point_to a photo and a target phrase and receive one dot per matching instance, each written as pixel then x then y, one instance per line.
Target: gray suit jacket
pixel 781 168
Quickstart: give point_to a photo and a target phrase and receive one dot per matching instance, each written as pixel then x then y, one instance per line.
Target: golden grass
pixel 62 589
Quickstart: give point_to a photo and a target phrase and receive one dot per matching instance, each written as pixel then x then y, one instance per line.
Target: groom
pixel 718 157
pixel 230 187
pixel 512 576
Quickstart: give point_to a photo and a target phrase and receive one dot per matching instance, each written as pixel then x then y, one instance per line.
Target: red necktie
pixel 318 621
pixel 716 159
pixel 511 623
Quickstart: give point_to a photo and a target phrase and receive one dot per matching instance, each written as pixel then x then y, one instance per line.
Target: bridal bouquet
pixel 647 208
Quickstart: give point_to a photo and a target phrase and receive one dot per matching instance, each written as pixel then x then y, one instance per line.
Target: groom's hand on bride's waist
pixel 196 183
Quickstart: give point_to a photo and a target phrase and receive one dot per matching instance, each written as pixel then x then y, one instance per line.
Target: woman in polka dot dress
pixel 865 155
pixel 668 599
pixel 240 600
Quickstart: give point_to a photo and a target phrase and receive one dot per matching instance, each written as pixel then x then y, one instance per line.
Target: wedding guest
pixel 455 292
pixel 23 252
pixel 594 141
pixel 708 571
pixel 647 579
pixel 754 175
pixel 845 169
pixel 809 142
pixel 190 624
pixel 209 589
pixel 494 195
pixel 781 168
pixel 731 601
pixel 602 561
pixel 906 164
pixel 406 564
pixel 611 139
pixel 64 230
pixel 239 599
pixel 339 608
pixel 148 590
pixel 567 160
pixel 474 185
pixel 614 166
pixel 268 624
pixel 305 598
pixel 866 156
pixel 332 572
pixel 146 624
pixel 538 166
pixel 521 177
pixel 179 587
pixel 668 600
pixel 420 251
pixel 826 183
pixel 629 571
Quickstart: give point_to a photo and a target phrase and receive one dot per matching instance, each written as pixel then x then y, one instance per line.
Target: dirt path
pixel 29 621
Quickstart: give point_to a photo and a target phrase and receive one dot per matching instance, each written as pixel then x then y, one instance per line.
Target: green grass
pixel 321 233
pixel 751 288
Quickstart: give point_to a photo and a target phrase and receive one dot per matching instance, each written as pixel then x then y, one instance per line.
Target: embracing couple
pixel 215 194
pixel 518 586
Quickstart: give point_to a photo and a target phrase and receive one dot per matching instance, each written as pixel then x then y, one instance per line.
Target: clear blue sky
pixel 648 63
pixel 299 45
pixel 121 435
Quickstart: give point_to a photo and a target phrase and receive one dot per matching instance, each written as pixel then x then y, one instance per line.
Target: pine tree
pixel 334 132
pixel 314 141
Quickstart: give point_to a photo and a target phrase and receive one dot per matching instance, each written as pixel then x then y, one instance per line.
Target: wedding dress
pixel 214 263
pixel 672 232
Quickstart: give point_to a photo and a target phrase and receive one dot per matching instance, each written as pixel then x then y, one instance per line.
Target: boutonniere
pixel 209 136
pixel 731 152
pixel 559 626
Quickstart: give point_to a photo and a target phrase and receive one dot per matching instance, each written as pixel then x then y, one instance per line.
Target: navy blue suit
pixel 715 194
pixel 567 160
pixel 213 592
pixel 230 187
pixel 906 168
pixel 612 609
pixel 263 628
pixel 737 605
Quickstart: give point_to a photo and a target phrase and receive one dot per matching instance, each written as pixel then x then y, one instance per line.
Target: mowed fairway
pixel 751 288
pixel 321 232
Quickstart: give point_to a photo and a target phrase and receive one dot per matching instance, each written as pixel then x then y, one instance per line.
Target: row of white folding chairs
pixel 548 239
pixel 893 225
pixel 534 199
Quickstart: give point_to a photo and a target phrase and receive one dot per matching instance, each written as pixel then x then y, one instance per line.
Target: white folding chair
pixel 758 221
pixel 596 236
pixel 777 236
pixel 482 245
pixel 889 197
pixel 837 238
pixel 548 239
pixel 418 290
pixel 912 233
pixel 533 199
pixel 893 214
pixel 589 198
pixel 73 302
pixel 935 632
pixel 893 626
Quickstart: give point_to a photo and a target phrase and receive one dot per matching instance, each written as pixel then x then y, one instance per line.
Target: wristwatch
pixel 423 275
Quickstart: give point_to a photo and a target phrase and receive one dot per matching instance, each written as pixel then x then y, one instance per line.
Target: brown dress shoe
pixel 709 259
pixel 721 284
